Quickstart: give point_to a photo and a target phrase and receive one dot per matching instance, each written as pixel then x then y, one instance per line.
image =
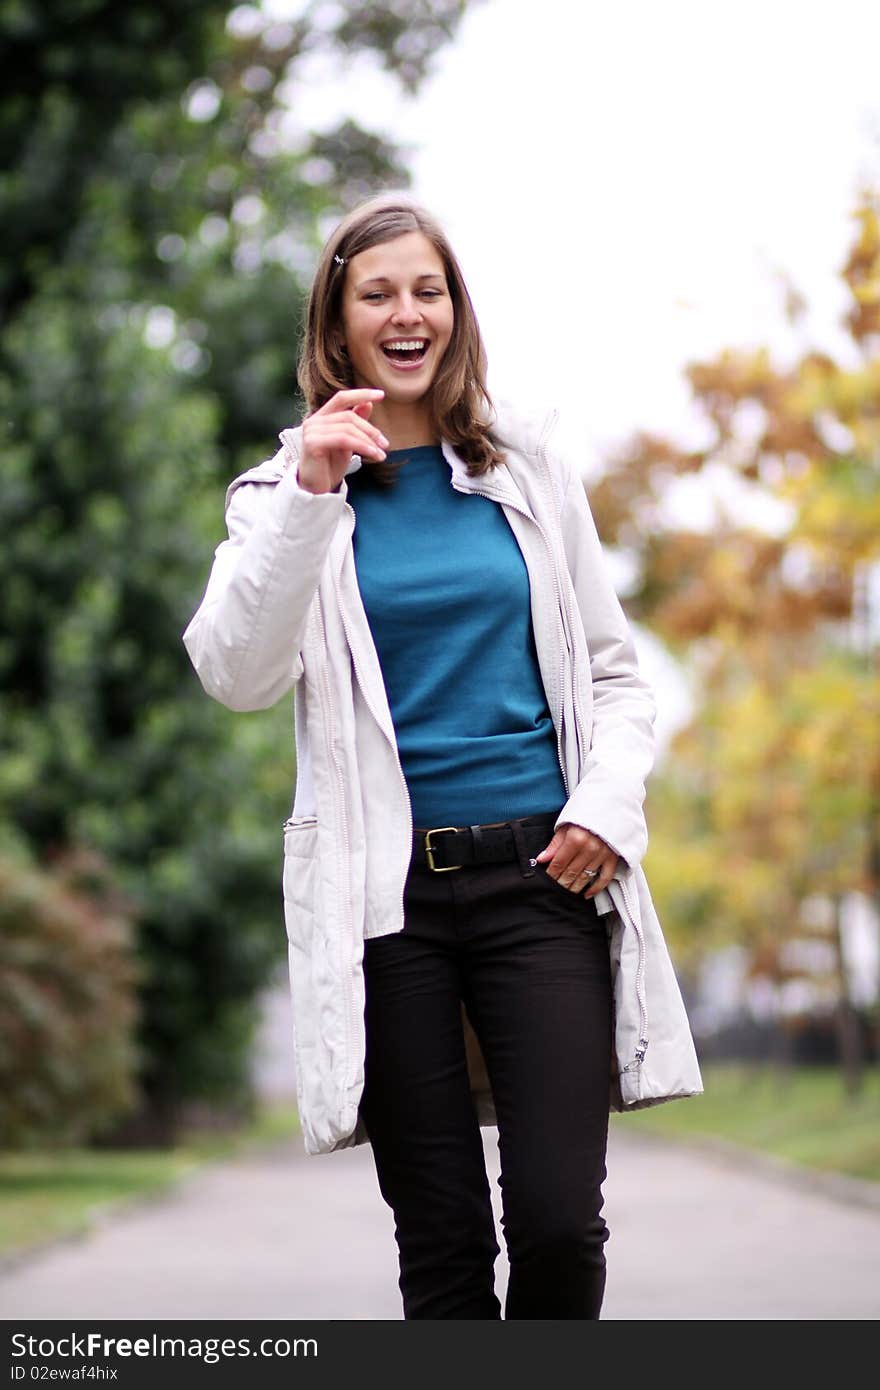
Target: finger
pixel 606 874
pixel 345 400
pixel 583 876
pixel 548 853
pixel 363 423
pixel 319 432
pixel 577 875
pixel 361 413
pixel 565 864
pixel 580 840
pixel 348 417
pixel 343 438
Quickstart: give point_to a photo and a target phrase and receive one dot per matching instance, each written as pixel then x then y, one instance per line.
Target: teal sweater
pixel 446 592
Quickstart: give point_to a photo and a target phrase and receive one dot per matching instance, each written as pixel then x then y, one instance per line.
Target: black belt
pixel 455 846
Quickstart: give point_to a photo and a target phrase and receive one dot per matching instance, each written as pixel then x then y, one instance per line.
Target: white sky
pixel 620 183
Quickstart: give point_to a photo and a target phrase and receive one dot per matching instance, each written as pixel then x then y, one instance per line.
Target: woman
pixel 471 938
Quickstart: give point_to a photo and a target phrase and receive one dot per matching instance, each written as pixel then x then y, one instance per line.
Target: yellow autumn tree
pixel 768 805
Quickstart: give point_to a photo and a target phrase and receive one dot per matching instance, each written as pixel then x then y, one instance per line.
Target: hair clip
pixel 339 260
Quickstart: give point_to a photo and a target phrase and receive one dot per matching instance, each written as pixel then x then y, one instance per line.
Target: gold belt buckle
pixel 429 850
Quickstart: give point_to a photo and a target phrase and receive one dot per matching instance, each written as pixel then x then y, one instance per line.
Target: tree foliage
pixel 67 1002
pixel 770 798
pixel 159 230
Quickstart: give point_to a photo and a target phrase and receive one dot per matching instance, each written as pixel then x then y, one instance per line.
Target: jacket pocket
pixel 300 878
pixel 319 1030
pixel 300 881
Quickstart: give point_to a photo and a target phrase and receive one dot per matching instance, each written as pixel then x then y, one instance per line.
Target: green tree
pixel 158 234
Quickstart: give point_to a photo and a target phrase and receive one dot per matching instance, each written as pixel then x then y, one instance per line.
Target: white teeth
pixel 411 344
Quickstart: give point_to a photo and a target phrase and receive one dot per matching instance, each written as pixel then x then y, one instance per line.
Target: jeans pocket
pixel 572 897
pixel 543 870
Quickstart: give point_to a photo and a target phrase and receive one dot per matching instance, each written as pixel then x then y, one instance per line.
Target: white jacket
pixel 283 611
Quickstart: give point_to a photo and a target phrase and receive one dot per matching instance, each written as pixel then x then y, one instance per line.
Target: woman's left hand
pixel 573 855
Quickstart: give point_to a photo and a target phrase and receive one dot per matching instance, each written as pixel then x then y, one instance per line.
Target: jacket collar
pixel 513 430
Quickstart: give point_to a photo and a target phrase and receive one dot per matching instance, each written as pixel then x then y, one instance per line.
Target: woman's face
pixel 397 316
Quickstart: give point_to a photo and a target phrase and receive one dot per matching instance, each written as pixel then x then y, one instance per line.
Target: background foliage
pixel 67 1001
pixel 768 813
pixel 158 234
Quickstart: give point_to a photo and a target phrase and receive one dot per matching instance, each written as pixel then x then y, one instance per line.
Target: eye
pixel 374 294
pixel 432 294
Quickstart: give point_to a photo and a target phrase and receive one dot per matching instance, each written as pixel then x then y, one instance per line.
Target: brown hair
pixel 460 402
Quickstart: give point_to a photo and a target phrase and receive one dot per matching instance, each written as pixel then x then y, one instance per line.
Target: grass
pixel 799 1114
pixel 47 1194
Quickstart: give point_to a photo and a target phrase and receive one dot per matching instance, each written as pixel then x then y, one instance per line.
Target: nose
pixel 408 309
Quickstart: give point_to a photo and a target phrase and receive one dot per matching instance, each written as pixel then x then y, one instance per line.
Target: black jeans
pixel 530 961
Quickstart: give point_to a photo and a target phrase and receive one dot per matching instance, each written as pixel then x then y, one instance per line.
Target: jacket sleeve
pixel 609 798
pixel 244 641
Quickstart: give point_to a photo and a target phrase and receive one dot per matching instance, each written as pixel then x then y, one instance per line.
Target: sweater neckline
pixel 417 451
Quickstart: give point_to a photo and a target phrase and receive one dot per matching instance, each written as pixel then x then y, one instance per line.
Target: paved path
pixel 281 1235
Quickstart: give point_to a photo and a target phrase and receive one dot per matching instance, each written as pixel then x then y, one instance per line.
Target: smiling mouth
pixel 406 351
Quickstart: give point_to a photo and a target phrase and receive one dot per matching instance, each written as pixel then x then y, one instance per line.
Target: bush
pixel 67 1002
